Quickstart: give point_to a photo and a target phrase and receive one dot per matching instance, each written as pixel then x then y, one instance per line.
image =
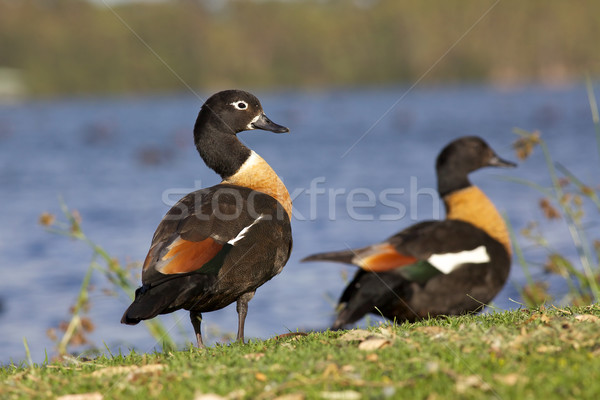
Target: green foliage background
pixel 73 46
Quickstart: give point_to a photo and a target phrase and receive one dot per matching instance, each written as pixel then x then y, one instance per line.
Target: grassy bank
pixel 73 46
pixel 546 353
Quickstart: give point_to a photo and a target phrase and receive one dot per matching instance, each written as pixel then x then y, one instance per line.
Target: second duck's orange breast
pixel 473 206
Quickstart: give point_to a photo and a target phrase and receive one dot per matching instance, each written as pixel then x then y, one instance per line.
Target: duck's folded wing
pixel 192 243
pixel 197 233
pixel 423 249
pixel 445 245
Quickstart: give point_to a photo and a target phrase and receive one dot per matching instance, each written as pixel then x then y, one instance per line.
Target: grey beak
pixel 264 123
pixel 496 161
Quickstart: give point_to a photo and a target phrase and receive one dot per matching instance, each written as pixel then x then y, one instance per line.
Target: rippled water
pixel 122 161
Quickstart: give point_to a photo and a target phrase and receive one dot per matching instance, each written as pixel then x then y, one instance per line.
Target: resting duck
pixel 434 268
pixel 218 245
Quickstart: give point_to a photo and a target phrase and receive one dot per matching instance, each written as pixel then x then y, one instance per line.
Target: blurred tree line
pixel 74 46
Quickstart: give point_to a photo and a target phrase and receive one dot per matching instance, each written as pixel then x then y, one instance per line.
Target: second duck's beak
pixel 496 161
pixel 264 123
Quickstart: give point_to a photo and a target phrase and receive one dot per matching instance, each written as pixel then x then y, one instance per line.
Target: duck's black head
pixel 221 117
pixel 461 157
pixel 234 111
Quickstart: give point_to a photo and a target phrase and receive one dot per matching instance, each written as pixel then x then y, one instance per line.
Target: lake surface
pixel 121 162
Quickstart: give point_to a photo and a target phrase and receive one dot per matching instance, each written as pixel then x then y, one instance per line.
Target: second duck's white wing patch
pixel 243 232
pixel 448 262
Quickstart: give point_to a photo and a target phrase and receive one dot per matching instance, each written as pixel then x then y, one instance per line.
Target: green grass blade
pixel 594 110
pixel 28 353
pixel 545 191
pixel 518 251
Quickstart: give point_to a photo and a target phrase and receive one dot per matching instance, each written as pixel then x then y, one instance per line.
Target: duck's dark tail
pixel 166 297
pixel 344 256
pixel 148 303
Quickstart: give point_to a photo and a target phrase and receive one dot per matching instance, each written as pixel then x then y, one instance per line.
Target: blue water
pixel 122 161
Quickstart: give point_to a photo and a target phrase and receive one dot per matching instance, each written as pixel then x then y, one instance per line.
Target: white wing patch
pixel 448 262
pixel 243 232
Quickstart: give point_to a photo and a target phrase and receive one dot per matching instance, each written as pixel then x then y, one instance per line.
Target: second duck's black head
pixel 234 111
pixel 461 157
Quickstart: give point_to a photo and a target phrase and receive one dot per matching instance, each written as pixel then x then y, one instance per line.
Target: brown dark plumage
pixel 217 245
pixel 434 268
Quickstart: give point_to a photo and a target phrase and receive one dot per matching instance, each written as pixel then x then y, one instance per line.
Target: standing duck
pixel 218 245
pixel 434 268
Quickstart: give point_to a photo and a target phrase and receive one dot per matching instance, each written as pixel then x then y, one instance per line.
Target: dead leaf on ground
pixel 435 332
pixel 510 379
pixel 411 343
pixel 387 332
pixel 276 367
pixel 81 396
pixel 531 319
pixel 236 394
pixel 260 377
pixel 291 396
pixel 343 395
pixel 463 383
pixel 110 371
pixel 348 368
pixel 545 318
pixel 431 330
pixel 373 344
pixel 330 370
pixel 254 356
pixel 432 367
pixel 562 310
pixel 208 396
pixel 586 318
pixel 355 334
pixel 548 349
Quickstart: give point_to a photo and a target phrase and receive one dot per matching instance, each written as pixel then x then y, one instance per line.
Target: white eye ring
pixel 240 105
